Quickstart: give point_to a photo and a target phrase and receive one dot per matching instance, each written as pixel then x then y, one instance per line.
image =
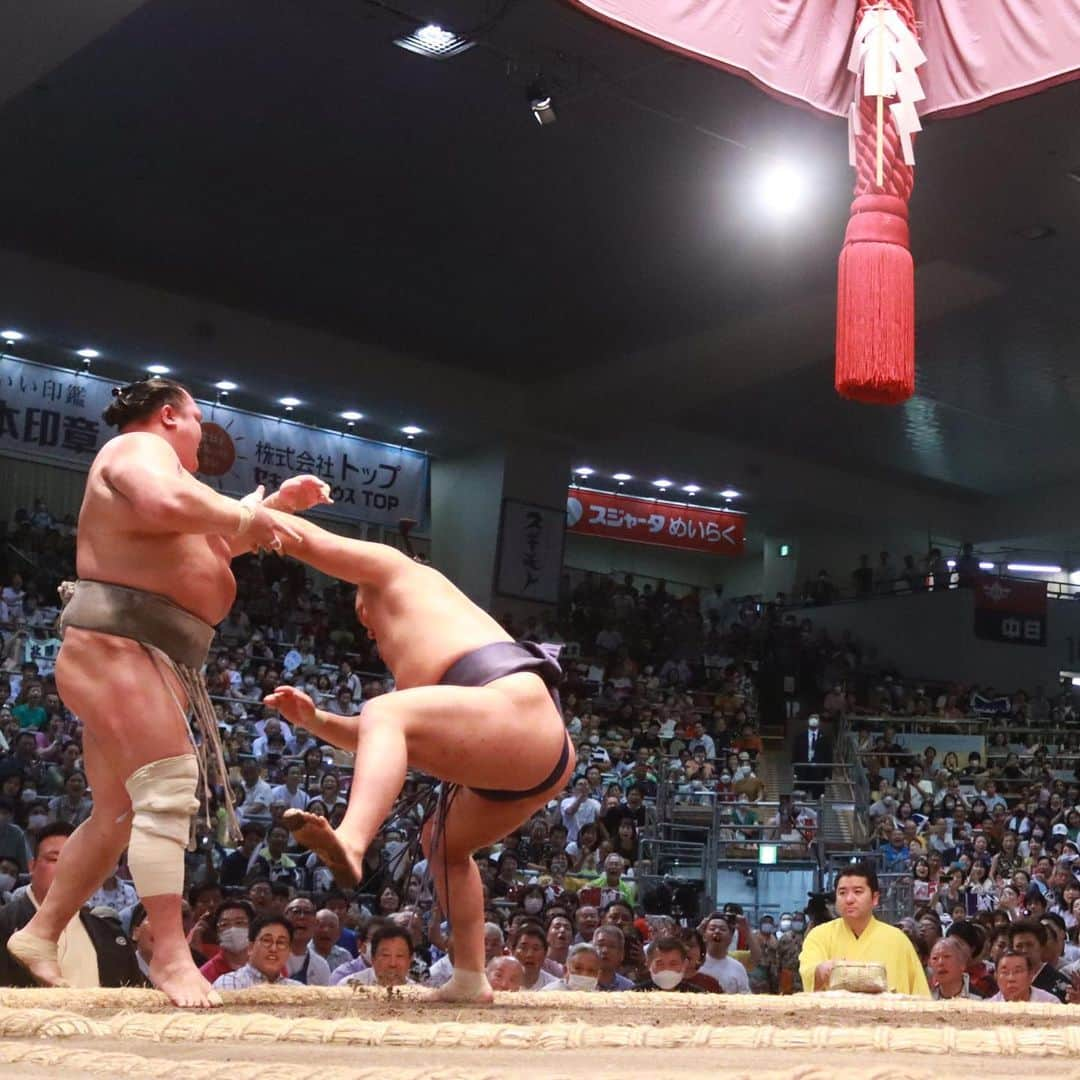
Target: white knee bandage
pixel 163 800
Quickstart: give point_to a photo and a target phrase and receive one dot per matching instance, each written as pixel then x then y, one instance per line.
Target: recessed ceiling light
pixel 434 42
pixel 781 189
pixel 691 489
pixel 289 402
pixel 88 354
pixel 225 385
pixel 411 429
pixel 157 369
pixel 662 484
pixel 730 493
pixel 352 415
pixel 986 566
pixel 584 471
pixel 11 335
pixel 622 477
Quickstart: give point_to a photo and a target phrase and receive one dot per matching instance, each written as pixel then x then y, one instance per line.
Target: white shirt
pixel 318 971
pixel 297 801
pixel 543 979
pixel 729 973
pixel 441 972
pixel 586 814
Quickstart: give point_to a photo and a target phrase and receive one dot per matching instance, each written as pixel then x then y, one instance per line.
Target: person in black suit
pixel 811 756
pixel 94 951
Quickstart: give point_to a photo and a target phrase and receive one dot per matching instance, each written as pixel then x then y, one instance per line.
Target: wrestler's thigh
pixel 474 736
pixel 122 698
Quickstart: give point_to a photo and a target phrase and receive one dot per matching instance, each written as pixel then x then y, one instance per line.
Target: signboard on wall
pixel 530 551
pixel 654 521
pixel 1010 611
pixel 54 416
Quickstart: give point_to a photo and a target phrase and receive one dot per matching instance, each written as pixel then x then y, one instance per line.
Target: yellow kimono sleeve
pixel 814 952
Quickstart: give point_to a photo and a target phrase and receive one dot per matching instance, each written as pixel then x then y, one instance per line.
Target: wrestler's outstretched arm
pixel 145 471
pixel 360 562
pixel 295 494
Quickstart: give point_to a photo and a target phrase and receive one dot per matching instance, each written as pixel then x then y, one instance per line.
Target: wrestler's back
pixel 192 570
pixel 423 623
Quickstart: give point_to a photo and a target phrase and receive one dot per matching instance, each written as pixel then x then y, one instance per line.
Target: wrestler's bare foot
pixel 472 987
pixel 316 834
pixel 39 956
pixel 182 982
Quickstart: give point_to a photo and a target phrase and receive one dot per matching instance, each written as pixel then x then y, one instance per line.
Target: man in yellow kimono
pixel 856 935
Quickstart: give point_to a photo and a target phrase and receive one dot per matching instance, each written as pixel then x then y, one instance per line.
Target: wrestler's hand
pixel 300 493
pixel 294 705
pixel 266 532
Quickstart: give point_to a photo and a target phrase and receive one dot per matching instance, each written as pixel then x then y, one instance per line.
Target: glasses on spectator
pixel 305 909
pixel 276 943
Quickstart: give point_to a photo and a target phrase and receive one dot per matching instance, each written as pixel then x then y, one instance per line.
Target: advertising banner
pixel 654 521
pixel 1010 611
pixel 530 551
pixel 53 415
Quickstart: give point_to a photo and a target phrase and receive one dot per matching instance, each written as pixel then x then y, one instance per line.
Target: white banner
pixel 53 415
pixel 530 551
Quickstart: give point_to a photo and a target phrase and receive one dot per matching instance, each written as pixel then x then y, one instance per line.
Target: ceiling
pixel 284 158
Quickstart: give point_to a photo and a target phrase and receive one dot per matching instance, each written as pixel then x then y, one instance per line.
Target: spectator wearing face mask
pixel 231 923
pixel 582 970
pixel 667 968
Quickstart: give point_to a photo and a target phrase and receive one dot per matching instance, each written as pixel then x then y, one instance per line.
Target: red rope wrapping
pixel 875 323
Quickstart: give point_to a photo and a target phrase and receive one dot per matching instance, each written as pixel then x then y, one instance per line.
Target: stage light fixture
pixel 88 354
pixel 622 477
pixel 434 42
pixel 584 470
pixel 11 335
pixel 730 493
pixel 157 369
pixel 352 415
pixel 225 386
pixel 543 108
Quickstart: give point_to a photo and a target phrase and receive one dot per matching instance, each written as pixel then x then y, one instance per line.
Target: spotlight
pixel 11 335
pixel 352 416
pixel 541 104
pixel 88 354
pixel 663 485
pixel 433 42
pixel 782 189
pixel 411 430
pixel 583 471
pixel 224 386
pixel 730 493
pixel 622 477
pixel 691 489
pixel 157 369
pixel 290 403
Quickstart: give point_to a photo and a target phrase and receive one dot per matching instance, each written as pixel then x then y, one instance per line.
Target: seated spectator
pixel 231 924
pixel 291 793
pixel 610 947
pixel 695 954
pixel 528 943
pixel 612 884
pixel 115 893
pixel 505 973
pixel 560 936
pixel 324 941
pixel 271 860
pixel 582 970
pixel 304 964
pixel 93 951
pixel 1031 938
pixel 728 972
pixel 949 960
pixel 1014 977
pixel 13 844
pixel 236 867
pixel 586 920
pixel 667 968
pixel 391 958
pixel 270 939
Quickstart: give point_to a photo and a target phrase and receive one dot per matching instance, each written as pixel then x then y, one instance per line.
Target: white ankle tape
pixel 469 983
pixel 163 800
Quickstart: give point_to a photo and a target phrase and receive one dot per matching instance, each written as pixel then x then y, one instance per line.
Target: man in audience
pixel 304 965
pixel 231 924
pixel 528 944
pixel 1014 977
pixel 582 970
pixel 729 973
pixel 856 935
pixel 586 920
pixel 270 941
pixel 92 951
pixel 391 958
pixel 667 968
pixel 610 948
pixel 324 941
pixel 1030 938
pixel 505 973
pixel 812 756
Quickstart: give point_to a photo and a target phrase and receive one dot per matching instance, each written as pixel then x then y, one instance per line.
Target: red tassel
pixel 875 311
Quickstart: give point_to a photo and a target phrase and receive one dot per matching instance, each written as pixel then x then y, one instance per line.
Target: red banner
pixel 1011 611
pixel 652 521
